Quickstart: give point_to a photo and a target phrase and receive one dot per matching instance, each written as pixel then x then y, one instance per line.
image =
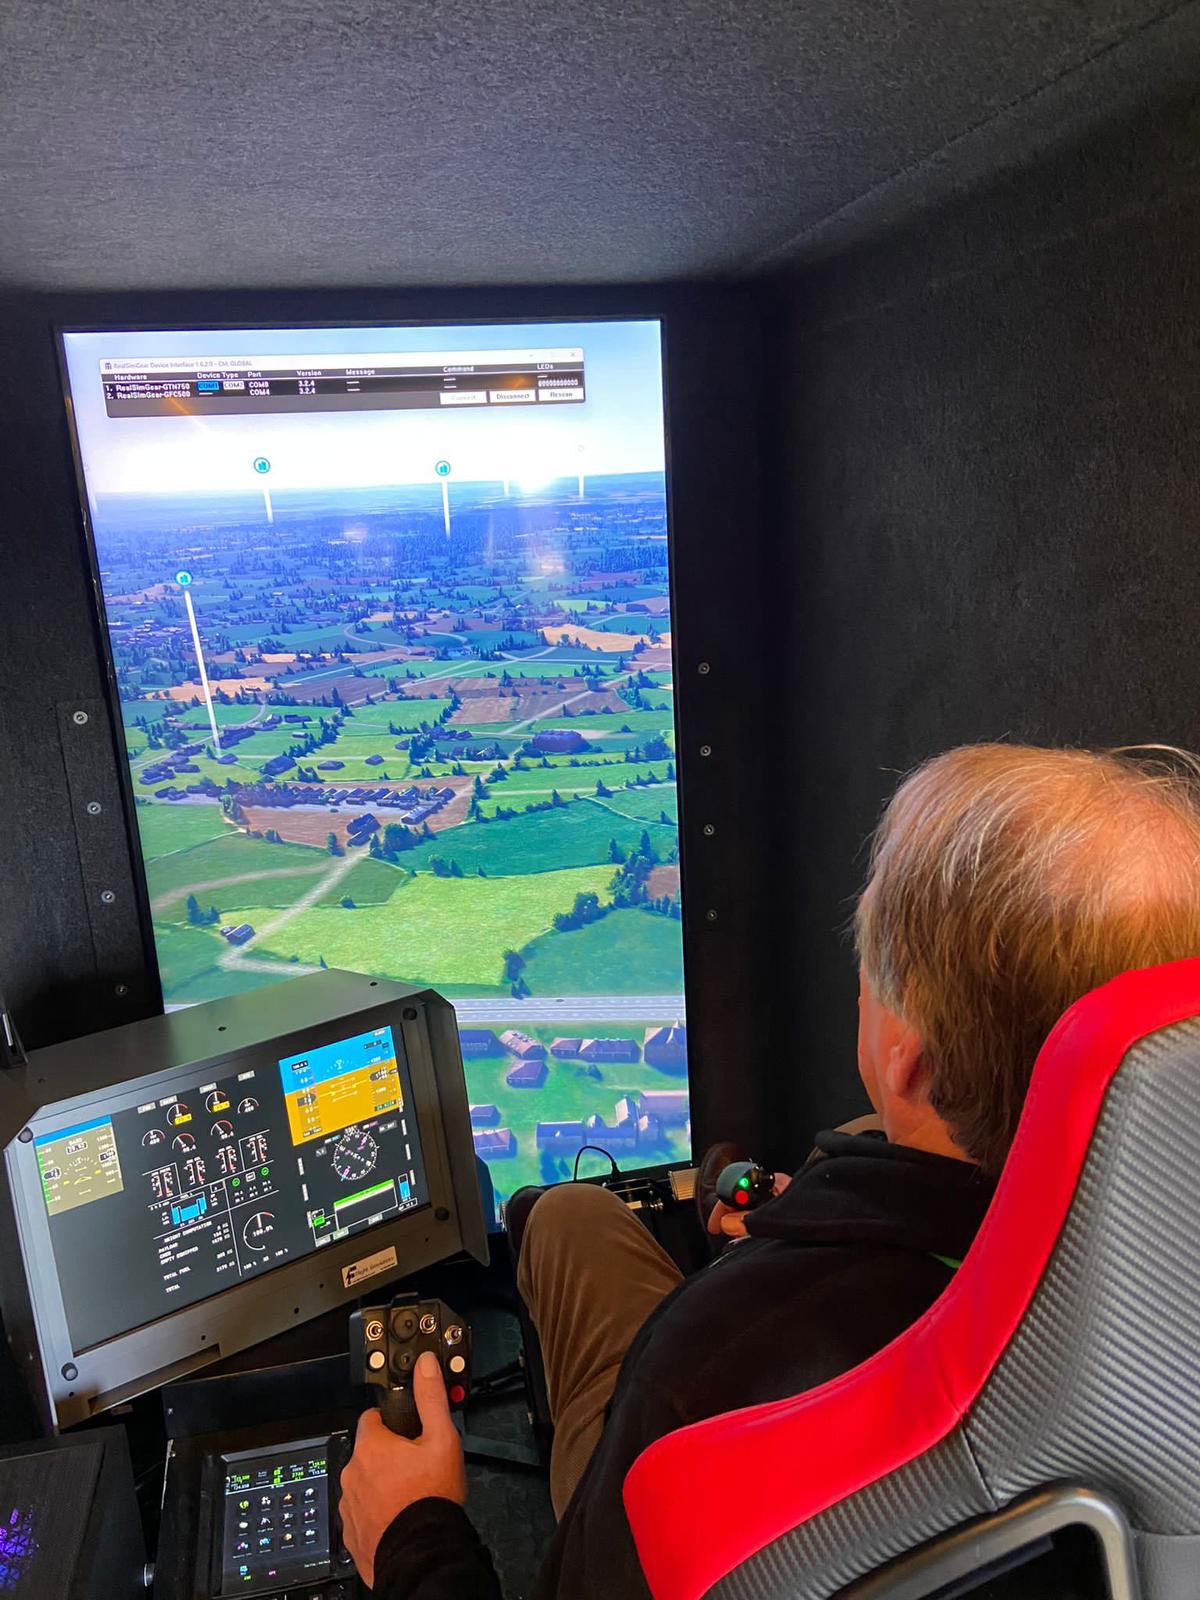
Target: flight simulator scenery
pixel 390 617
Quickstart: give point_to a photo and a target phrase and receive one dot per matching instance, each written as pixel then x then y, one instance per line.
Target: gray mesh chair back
pixel 1066 1350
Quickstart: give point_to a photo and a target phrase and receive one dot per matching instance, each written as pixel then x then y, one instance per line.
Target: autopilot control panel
pixel 166 1202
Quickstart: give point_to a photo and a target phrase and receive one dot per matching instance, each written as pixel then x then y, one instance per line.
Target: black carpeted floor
pixel 510 1506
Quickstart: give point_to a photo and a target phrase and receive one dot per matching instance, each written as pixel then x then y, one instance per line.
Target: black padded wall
pixel 987 465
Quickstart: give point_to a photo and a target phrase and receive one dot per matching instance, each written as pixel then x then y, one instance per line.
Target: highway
pixel 574 1008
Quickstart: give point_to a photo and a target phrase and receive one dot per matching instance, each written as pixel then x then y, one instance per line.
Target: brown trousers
pixel 590 1274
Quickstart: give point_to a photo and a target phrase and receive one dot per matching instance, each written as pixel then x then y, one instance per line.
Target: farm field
pixel 430 926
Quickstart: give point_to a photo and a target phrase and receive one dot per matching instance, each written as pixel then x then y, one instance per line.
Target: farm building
pixel 566 1049
pixel 666 1047
pixel 560 1135
pixel 239 935
pixel 485 1116
pixel 558 741
pixel 477 1041
pixel 622 1136
pixel 610 1050
pixel 495 1144
pixel 520 1044
pixel 530 1074
pixel 668 1105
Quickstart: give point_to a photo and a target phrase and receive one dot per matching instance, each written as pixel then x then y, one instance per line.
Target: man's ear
pixel 903 1066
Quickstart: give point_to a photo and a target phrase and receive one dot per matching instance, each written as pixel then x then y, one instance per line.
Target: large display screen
pixel 390 617
pixel 159 1205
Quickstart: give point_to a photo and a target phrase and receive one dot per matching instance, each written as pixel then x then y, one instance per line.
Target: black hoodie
pixel 857 1247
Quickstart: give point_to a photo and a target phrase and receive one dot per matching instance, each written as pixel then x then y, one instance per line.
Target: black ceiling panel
pixel 164 143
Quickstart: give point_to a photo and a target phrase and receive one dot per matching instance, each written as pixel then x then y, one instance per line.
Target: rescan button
pixel 560 394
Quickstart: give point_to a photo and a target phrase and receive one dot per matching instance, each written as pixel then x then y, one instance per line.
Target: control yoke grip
pixel 399 1412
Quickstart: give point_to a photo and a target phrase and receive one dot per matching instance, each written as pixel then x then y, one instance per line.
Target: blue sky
pixel 618 429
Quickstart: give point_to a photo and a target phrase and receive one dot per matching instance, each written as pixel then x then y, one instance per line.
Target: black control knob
pixel 404 1324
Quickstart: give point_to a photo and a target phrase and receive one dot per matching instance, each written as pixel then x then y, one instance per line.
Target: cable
pixel 600 1151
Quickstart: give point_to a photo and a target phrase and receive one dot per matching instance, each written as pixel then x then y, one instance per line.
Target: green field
pixel 234 856
pixel 590 727
pixel 437 930
pixel 369 882
pixel 544 841
pixel 166 828
pixel 646 804
pixel 628 952
pixel 632 622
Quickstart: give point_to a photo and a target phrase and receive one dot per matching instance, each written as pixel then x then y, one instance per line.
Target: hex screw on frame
pixel 122 989
pixel 704 669
pixel 708 830
pixel 706 749
pixel 79 718
pixel 94 808
pixel 107 897
pixel 710 915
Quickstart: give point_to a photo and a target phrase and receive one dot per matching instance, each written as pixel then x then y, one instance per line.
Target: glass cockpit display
pixel 390 617
pixel 160 1205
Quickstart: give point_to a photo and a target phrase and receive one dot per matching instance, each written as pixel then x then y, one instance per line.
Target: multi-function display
pixel 159 1205
pixel 276 1517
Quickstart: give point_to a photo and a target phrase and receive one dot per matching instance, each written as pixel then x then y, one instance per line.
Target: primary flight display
pixel 390 618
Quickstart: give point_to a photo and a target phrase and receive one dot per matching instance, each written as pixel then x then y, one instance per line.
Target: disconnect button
pixel 513 397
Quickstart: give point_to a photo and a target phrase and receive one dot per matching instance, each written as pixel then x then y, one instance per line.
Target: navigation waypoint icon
pixel 442 468
pixel 261 464
pixel 183 579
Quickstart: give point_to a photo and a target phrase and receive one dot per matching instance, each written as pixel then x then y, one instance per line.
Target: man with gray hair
pixel 1005 882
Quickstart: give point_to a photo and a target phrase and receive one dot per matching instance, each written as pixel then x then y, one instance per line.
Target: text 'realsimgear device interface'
pixel 160 1205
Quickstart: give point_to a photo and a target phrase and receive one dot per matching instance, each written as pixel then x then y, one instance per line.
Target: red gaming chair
pixel 1055 1382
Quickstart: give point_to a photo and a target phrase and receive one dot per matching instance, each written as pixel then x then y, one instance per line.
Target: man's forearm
pixel 432 1552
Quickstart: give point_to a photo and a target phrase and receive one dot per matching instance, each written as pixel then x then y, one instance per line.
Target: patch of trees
pixel 198 917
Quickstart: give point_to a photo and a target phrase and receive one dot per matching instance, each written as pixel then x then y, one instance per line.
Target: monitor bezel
pixel 659 315
pixel 79 1383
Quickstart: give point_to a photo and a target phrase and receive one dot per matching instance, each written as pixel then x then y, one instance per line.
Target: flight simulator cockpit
pixel 193 1184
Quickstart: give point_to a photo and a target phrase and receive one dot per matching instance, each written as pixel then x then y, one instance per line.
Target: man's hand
pixel 386 1473
pixel 724 1219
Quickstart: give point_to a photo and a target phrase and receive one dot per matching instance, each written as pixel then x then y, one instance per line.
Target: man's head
pixel 1005 882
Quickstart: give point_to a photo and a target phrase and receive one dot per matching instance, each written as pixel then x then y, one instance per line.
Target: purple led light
pixel 17 1547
